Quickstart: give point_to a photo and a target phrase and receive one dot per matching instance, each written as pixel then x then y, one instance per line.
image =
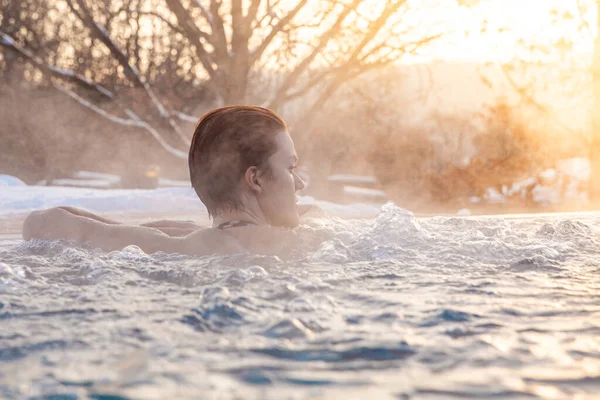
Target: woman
pixel 242 164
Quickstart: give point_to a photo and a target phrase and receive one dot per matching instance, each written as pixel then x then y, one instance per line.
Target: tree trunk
pixel 595 139
pixel 235 84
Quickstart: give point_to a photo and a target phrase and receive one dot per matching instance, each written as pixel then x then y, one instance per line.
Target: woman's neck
pixel 239 215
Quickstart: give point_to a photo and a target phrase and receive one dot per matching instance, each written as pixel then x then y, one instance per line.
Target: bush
pixel 506 148
pixel 427 159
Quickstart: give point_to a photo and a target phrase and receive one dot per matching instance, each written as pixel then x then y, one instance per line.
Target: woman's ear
pixel 252 178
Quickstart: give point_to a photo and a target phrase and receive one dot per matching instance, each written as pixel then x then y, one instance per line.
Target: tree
pixel 550 67
pixel 124 60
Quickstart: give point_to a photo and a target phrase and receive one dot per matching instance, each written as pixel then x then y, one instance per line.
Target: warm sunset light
pixel 299 199
pixel 490 30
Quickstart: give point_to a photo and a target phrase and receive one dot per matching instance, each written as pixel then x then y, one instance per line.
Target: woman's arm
pixel 83 213
pixel 57 223
pixel 174 228
pixel 171 228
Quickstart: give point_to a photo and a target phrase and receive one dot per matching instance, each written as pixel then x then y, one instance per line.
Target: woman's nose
pixel 299 183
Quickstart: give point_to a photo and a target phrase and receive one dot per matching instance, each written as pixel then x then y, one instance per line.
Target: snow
pixel 187 118
pixel 61 71
pixel 365 192
pixel 545 194
pixel 163 182
pixel 355 179
pixel 522 185
pixel 104 183
pixel 84 183
pixel 575 168
pixel 97 175
pixel 67 73
pixel 98 180
pixel 18 198
pixel 564 182
pixel 7 180
pixel 6 40
pixel 492 195
pixel 548 175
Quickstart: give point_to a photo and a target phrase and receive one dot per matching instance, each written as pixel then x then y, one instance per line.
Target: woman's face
pixel 278 199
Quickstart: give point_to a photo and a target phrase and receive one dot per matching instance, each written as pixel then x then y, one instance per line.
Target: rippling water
pixel 394 307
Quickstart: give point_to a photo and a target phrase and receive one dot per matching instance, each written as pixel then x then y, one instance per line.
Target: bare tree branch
pixel 583 21
pixel 122 121
pixel 71 76
pixel 375 27
pixel 239 32
pixel 352 69
pixel 325 38
pixel 218 33
pixel 337 82
pixel 187 118
pixel 193 34
pixel 162 18
pixel 85 16
pixel 269 13
pixel 204 11
pixel 66 74
pixel 252 12
pixel 258 52
pixel 230 40
pixel 130 71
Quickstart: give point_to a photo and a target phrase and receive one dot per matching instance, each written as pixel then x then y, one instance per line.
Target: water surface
pixel 393 307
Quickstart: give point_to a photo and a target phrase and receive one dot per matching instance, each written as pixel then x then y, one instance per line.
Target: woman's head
pixel 238 159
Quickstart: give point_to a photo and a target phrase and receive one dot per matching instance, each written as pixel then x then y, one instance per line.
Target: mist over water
pixel 395 307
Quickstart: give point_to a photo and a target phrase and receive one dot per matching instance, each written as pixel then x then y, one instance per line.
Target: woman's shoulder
pixel 255 239
pixel 211 241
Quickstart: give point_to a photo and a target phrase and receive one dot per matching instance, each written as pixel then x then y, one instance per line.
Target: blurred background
pixel 438 105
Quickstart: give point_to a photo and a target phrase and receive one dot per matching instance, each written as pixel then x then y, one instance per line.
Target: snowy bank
pixel 19 198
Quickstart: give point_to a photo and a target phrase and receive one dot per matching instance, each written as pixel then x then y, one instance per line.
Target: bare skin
pixel 269 202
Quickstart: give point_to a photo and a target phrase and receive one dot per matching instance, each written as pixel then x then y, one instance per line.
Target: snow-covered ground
pixel 18 198
pixel 565 182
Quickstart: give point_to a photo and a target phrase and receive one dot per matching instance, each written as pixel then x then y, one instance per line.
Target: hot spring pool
pixel 388 308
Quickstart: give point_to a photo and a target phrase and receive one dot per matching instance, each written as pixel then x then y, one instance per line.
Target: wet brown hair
pixel 227 141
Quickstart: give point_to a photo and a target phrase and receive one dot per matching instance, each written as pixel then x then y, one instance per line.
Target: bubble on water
pixel 300 304
pixel 241 276
pixel 332 251
pixel 304 304
pixel 257 271
pixel 214 294
pixel 5 269
pixel 290 328
pixel 131 254
pixel 73 254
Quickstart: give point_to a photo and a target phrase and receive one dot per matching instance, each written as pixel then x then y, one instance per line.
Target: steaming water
pixel 392 307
